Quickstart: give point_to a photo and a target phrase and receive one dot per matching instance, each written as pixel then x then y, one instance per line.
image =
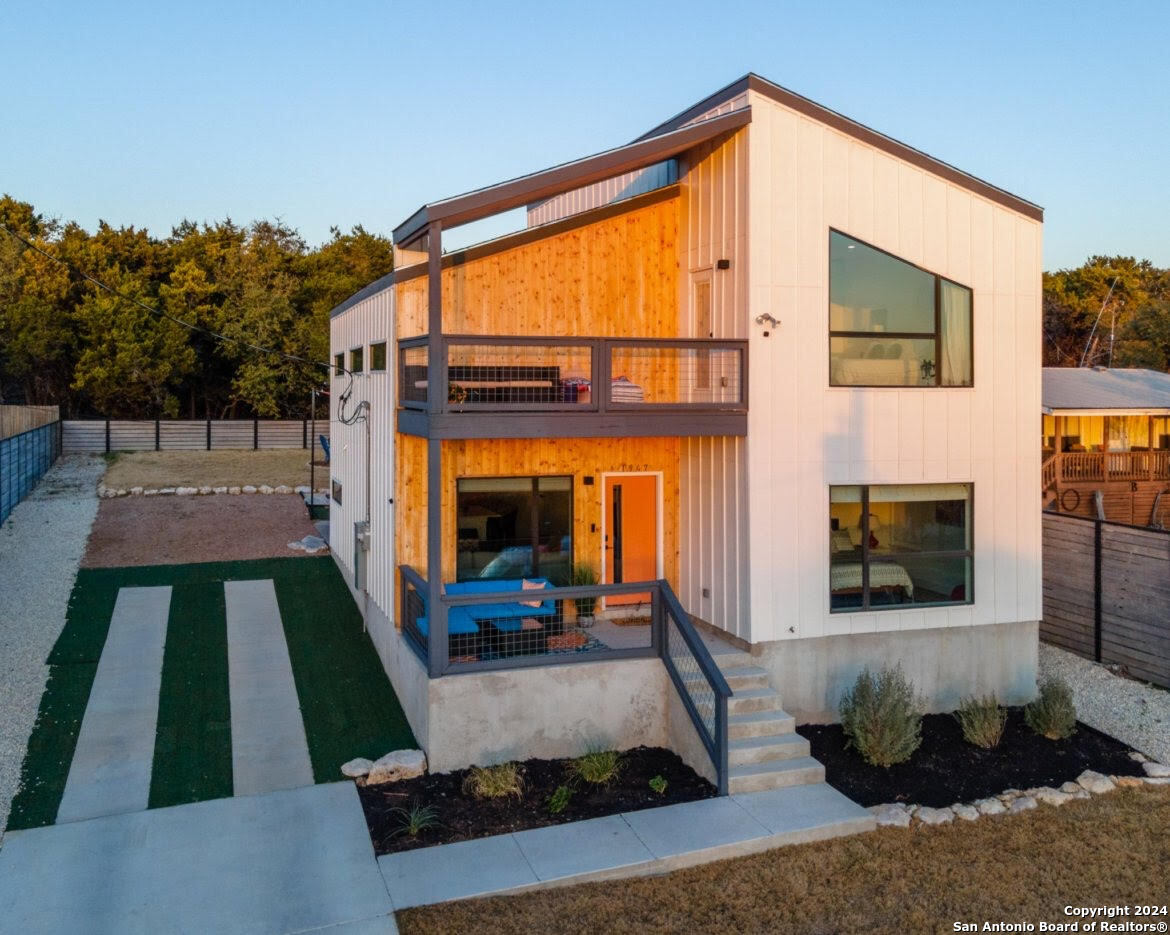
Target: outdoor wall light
pixel 767 319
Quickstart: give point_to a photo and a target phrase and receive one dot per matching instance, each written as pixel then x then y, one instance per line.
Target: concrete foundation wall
pixel 944 664
pixel 546 711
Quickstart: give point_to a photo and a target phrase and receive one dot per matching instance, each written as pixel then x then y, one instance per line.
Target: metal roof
pixel 512 194
pixel 1082 388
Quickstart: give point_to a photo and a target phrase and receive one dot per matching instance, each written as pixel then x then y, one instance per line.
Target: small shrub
pixel 881 717
pixel 415 820
pixel 982 720
pixel 597 766
pixel 559 800
pixel 658 784
pixel 1053 714
pixel 584 575
pixel 494 782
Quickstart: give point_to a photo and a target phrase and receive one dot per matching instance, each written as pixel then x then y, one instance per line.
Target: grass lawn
pixel 1108 850
pixel 347 704
pixel 226 468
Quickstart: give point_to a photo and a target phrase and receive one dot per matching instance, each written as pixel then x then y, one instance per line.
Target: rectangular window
pixel 338 364
pixel 514 527
pixel 355 360
pixel 897 545
pixel 893 324
pixel 378 356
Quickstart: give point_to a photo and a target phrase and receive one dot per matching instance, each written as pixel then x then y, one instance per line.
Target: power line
pixel 198 329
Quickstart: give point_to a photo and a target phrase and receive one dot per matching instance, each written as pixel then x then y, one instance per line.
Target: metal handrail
pixel 716 745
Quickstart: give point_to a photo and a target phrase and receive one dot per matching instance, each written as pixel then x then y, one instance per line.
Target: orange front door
pixel 631 537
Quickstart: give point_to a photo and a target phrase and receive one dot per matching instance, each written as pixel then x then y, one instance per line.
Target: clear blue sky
pixel 357 112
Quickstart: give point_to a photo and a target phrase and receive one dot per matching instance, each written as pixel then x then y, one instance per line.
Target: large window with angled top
pixel 899 544
pixel 892 323
pixel 514 527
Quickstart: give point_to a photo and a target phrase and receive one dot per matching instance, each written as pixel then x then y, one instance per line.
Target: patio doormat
pixel 347 704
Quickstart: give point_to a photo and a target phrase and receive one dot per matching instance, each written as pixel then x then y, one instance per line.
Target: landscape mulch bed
pixel 947 769
pixel 462 817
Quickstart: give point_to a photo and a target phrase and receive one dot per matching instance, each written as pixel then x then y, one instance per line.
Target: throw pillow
pixel 526 585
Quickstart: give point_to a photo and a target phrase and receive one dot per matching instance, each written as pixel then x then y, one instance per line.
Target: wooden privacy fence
pixel 1107 593
pixel 80 435
pixel 17 419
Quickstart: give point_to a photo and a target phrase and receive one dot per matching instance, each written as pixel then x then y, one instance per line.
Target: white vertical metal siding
pixel 607 191
pixel 804 435
pixel 369 322
pixel 714 565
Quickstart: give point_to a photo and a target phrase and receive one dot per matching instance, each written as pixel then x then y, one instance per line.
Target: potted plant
pixel 584 575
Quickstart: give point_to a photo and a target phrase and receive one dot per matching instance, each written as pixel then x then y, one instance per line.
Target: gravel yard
pixel 1133 712
pixel 213 469
pixel 170 530
pixel 41 545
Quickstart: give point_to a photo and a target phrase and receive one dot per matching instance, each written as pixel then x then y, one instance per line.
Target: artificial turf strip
pixel 193 743
pixel 51 745
pixel 347 704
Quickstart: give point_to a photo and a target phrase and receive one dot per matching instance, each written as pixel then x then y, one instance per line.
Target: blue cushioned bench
pixel 503 620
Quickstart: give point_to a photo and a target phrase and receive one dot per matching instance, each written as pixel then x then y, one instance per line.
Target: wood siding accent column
pixel 436 402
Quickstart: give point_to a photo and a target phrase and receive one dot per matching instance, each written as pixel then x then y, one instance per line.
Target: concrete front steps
pixel 764 750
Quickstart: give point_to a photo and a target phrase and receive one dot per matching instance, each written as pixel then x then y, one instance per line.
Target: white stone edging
pixel 1013 801
pixel 109 493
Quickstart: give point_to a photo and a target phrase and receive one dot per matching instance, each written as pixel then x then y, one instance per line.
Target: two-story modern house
pixel 748 406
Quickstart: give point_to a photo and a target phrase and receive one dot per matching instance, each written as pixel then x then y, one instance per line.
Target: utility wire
pixel 358 414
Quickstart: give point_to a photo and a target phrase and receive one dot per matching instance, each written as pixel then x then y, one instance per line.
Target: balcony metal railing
pixel 488 630
pixel 489 373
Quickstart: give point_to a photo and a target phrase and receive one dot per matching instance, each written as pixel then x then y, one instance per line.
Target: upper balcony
pixel 532 387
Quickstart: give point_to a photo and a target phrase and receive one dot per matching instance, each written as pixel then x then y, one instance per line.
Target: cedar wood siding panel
pixel 615 277
pixel 804 435
pixel 576 457
pixel 367 322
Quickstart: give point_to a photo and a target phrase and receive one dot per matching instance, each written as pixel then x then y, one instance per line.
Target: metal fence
pixel 24 459
pixel 1107 593
pixel 89 435
pixel 488 625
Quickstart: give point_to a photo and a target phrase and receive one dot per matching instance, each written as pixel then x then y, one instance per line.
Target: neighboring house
pixel 777 369
pixel 1107 444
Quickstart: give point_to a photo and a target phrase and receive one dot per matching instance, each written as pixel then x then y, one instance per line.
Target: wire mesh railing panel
pixel 412 367
pixel 514 620
pixel 530 376
pixel 697 685
pixel 649 374
pixel 414 613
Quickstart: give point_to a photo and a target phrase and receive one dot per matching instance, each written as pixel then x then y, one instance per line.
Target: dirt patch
pixel 213 469
pixel 177 530
pixel 946 769
pixel 461 816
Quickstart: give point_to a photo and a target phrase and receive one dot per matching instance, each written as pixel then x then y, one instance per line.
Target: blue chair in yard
pixel 324 446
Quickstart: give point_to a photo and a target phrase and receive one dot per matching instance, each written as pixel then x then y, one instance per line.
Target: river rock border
pixel 108 493
pixel 1013 801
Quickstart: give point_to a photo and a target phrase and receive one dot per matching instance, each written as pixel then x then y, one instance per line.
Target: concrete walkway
pixel 650 841
pixel 112 765
pixel 269 748
pixel 291 861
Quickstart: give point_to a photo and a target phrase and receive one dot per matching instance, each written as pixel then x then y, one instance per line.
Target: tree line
pixel 1111 311
pixel 64 341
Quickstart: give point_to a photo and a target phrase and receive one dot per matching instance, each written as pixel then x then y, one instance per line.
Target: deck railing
pixel 1087 466
pixel 492 373
pixel 491 631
